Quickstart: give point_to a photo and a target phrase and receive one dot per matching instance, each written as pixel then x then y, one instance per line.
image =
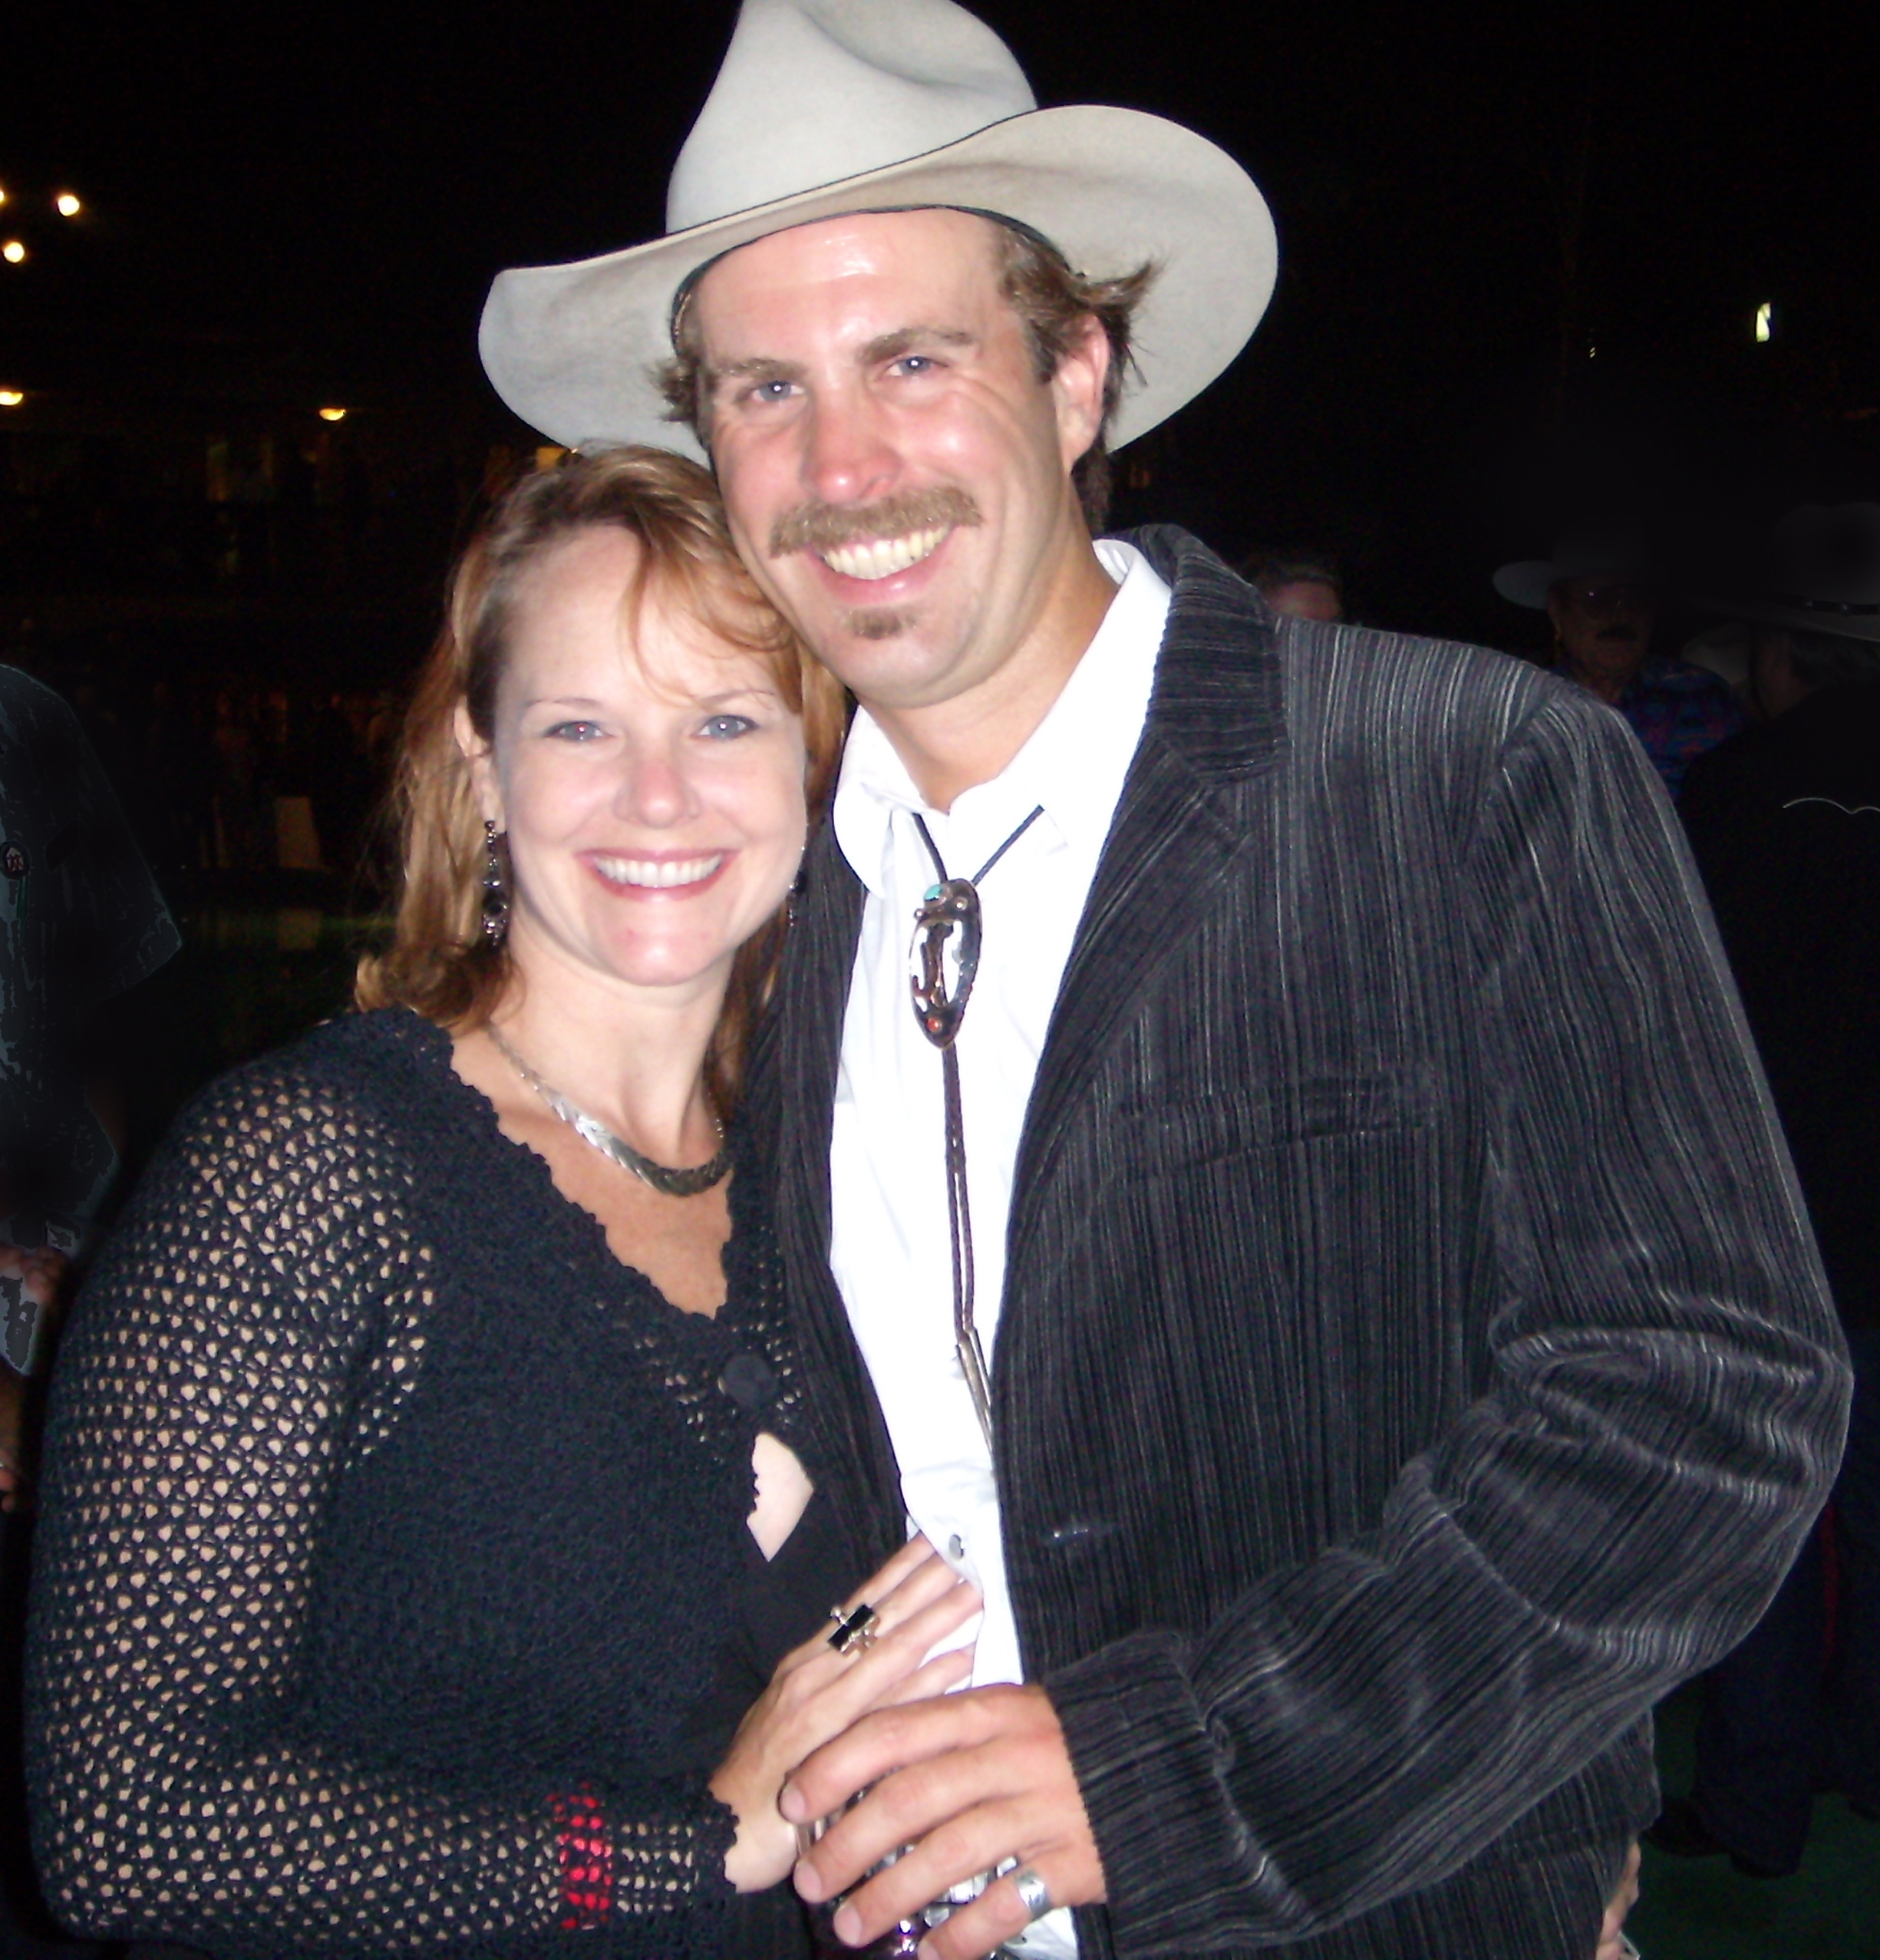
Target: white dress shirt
pixel 891 1247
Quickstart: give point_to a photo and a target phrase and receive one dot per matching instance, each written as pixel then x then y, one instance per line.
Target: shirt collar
pixel 1074 762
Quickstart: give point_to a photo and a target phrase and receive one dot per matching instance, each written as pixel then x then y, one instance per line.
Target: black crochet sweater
pixel 383 1511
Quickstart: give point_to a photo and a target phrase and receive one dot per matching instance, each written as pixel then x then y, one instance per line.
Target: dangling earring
pixel 495 907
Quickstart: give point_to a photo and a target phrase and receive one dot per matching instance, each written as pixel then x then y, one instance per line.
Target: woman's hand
pixel 817 1693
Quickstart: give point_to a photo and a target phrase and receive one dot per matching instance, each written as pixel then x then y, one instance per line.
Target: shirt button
pixel 956 1546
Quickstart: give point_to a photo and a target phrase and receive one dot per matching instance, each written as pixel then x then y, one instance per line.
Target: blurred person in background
pixel 81 920
pixel 1600 600
pixel 1301 585
pixel 432 1485
pixel 1785 823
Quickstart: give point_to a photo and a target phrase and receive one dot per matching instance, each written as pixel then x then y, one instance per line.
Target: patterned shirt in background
pixel 81 919
pixel 1679 712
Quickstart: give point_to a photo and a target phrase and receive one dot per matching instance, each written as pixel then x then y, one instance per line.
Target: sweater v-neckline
pixel 582 1228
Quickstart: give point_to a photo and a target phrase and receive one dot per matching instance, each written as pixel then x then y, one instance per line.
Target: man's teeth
pixel 657 875
pixel 881 558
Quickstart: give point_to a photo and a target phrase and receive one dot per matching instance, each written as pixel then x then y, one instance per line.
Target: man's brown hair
pixel 1052 303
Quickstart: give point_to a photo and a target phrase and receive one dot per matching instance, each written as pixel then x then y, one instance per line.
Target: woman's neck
pixel 632 1057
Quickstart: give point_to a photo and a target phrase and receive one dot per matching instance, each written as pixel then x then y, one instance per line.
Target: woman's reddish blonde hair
pixel 439 960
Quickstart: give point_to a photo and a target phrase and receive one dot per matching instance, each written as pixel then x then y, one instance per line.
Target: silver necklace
pixel 686 1183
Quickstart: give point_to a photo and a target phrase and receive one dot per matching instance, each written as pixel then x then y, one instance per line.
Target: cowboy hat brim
pixel 1861 624
pixel 1528 580
pixel 574 349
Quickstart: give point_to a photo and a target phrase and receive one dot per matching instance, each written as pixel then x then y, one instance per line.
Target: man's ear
pixel 1078 388
pixel 1556 606
pixel 478 752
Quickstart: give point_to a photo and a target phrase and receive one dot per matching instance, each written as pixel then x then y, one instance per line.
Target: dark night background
pixel 1520 258
pixel 285 208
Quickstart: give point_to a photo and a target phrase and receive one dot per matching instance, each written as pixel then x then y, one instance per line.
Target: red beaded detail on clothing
pixel 587 1862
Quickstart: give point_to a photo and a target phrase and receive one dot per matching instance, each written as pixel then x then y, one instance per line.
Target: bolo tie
pixel 948 922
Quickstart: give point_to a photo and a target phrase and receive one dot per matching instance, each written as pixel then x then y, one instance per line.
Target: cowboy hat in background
pixel 1820 573
pixel 1528 581
pixel 827 106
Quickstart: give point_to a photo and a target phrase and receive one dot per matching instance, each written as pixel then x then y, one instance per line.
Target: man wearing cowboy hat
pixel 1259 1276
pixel 1785 823
pixel 1599 599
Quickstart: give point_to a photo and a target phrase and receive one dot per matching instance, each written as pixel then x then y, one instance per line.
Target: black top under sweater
pixel 383 1508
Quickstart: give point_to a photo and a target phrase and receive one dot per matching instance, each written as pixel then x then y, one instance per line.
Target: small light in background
pixel 67 205
pixel 13 252
pixel 332 414
pixel 10 398
pixel 1765 323
pixel 3 193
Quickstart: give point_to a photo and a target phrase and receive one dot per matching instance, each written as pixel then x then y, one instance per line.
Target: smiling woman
pixel 661 514
pixel 432 1483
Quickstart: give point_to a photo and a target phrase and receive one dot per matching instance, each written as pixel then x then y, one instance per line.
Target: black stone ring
pixel 853 1633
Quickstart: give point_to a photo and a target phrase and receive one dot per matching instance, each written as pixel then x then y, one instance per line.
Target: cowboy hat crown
pixel 910 77
pixel 826 107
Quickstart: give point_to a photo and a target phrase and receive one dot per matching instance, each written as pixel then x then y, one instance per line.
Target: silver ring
pixel 1032 1890
pixel 853 1633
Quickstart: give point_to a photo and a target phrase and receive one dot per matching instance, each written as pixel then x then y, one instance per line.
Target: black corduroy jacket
pixel 1413 1359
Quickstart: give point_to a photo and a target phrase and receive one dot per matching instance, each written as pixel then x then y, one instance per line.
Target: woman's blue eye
pixel 573 731
pixel 723 727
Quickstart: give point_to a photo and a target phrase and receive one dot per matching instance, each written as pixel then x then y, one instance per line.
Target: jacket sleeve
pixel 1665 1402
pixel 255 1324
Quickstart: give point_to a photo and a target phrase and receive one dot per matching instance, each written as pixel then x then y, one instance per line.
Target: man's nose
pixel 848 457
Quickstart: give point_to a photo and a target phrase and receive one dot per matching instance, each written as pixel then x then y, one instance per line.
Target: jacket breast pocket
pixel 1177 1129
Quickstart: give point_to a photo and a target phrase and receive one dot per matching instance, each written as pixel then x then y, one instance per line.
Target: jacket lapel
pixel 1215 723
pixel 812 992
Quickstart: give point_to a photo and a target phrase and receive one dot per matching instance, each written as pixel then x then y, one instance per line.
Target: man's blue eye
pixel 916 364
pixel 771 390
pixel 723 728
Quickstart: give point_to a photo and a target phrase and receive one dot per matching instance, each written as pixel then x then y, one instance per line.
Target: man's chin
pixel 879 623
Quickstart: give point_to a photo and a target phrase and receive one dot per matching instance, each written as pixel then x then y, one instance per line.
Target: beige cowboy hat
pixel 827 106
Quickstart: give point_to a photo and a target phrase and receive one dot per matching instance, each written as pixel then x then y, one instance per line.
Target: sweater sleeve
pixel 1664 1402
pixel 253 1330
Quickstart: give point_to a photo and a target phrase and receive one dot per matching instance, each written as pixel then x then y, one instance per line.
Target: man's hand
pixel 967 1780
pixel 1613 1943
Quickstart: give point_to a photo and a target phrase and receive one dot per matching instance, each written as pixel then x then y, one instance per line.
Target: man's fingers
pixel 890 1739
pixel 922 1815
pixel 955 1853
pixel 999 1914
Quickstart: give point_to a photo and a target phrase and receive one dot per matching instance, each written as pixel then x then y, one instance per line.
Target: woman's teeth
pixel 656 874
pixel 881 558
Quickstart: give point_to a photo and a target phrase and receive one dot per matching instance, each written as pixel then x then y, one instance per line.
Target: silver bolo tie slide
pixel 947 935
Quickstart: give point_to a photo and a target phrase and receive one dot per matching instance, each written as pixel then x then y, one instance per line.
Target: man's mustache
pixel 826 527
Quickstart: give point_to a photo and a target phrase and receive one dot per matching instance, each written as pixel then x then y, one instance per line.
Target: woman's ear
pixel 478 752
